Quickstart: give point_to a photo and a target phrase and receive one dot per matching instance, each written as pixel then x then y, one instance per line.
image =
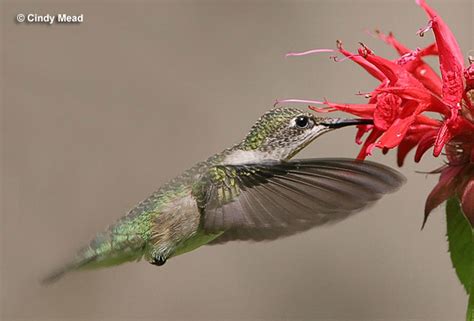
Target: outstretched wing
pixel 269 200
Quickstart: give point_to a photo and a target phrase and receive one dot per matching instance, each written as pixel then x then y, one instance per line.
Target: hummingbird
pixel 252 191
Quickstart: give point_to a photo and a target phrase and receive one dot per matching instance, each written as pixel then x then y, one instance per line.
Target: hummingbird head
pixel 282 132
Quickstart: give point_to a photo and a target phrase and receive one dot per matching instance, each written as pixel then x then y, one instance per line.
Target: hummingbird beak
pixel 334 123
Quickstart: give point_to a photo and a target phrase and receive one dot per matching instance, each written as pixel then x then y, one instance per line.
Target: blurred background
pixel 97 115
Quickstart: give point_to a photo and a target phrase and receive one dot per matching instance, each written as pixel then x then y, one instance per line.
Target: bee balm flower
pixel 408 88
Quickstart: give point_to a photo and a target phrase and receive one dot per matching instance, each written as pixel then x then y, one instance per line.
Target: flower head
pixel 408 89
pixel 456 179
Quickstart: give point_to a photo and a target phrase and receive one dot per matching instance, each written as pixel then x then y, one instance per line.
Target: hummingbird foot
pixel 158 261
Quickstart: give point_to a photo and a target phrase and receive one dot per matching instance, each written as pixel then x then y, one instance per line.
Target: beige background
pixel 98 115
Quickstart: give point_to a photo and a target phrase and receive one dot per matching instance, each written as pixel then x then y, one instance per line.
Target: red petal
pixel 443 190
pixel 397 75
pixel 424 144
pixel 370 68
pixel 361 130
pixel 450 41
pixel 361 110
pixel 388 68
pixel 431 50
pixel 392 41
pixel 469 75
pixel 450 57
pixel 403 149
pixel 367 147
pixel 444 135
pixel 427 100
pixel 430 122
pixel 387 110
pixel 422 71
pixel 467 201
pixel 405 84
pixel 413 137
pixel 395 134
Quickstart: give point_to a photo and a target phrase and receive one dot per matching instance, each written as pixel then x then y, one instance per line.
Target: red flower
pixel 408 88
pixel 457 179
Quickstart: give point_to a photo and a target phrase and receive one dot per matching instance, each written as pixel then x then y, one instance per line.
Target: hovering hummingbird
pixel 252 191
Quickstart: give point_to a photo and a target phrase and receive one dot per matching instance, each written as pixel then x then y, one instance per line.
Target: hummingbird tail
pixel 58 273
pixel 104 251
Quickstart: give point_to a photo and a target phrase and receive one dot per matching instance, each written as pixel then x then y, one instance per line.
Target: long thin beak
pixel 341 122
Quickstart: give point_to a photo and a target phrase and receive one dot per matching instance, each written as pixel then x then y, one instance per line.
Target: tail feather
pixel 57 274
pixel 104 251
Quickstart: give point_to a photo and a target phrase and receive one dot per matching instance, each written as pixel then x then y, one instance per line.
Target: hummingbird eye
pixel 302 121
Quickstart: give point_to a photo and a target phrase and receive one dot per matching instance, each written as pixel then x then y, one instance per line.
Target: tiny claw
pixel 158 261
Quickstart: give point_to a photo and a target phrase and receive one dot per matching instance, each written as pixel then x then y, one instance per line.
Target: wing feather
pixel 274 199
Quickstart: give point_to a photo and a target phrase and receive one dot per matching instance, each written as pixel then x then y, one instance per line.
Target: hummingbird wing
pixel 274 199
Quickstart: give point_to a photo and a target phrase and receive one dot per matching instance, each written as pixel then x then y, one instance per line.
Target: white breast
pixel 239 157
